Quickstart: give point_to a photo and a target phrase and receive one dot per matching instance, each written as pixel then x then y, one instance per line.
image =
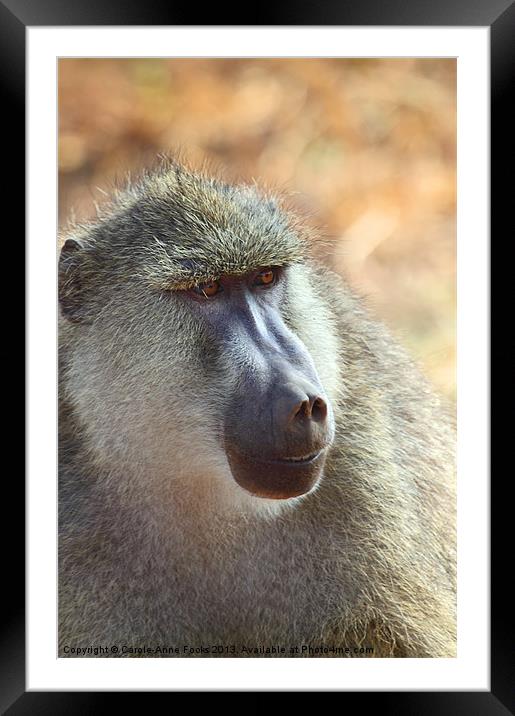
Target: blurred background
pixel 367 147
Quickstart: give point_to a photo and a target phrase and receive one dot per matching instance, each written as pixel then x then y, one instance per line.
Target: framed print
pixel 309 510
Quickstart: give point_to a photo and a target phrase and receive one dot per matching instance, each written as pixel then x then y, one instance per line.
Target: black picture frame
pixel 499 15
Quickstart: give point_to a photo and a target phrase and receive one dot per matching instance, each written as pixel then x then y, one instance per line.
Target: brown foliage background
pixel 367 146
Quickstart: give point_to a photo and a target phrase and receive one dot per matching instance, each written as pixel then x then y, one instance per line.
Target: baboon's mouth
pixel 303 460
pixel 277 478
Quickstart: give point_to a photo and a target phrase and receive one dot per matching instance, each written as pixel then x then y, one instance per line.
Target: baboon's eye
pixel 208 289
pixel 266 277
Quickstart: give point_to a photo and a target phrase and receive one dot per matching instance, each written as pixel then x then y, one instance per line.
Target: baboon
pixel 249 464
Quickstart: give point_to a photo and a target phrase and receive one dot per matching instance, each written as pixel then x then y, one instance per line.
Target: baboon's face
pixel 276 420
pixel 223 382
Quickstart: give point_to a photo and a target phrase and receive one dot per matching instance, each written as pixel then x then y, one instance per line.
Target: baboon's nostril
pixel 319 410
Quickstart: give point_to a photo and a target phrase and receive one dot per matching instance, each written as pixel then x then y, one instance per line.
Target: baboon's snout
pixel 279 422
pixel 277 439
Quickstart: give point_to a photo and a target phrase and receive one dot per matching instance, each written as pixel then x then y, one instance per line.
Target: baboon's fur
pixel 158 545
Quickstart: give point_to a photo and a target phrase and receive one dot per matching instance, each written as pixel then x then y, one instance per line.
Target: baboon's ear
pixel 70 281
